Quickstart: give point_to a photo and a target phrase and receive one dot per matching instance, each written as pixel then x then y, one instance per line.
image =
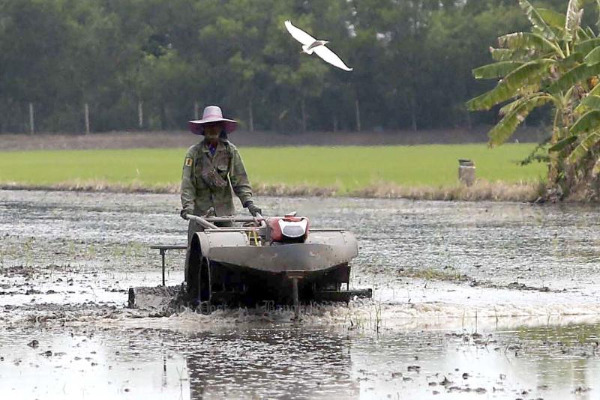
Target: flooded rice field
pixel 471 301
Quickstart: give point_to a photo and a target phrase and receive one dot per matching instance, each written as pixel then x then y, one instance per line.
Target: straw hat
pixel 211 114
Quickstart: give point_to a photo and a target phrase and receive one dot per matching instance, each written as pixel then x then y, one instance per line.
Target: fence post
pixel 357 106
pixel 86 110
pixel 140 114
pixel 31 119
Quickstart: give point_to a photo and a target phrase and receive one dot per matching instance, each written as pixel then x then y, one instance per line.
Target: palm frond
pixel 573 76
pixel 555 19
pixel 588 141
pixel 588 122
pixel 496 70
pixel 536 19
pixel 525 75
pixel 507 126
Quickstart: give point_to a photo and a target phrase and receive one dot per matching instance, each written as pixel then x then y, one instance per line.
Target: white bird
pixel 310 45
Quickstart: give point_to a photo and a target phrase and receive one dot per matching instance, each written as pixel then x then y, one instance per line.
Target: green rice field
pixel 348 168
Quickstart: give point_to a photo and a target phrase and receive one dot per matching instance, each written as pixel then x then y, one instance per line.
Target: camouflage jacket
pixel 211 180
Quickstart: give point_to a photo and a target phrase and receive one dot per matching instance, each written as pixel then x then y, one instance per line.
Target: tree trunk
pixel 31 119
pixel 357 110
pixel 86 113
pixel 195 110
pixel 250 116
pixel 335 123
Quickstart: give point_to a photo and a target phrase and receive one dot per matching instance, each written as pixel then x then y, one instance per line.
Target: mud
pixel 524 323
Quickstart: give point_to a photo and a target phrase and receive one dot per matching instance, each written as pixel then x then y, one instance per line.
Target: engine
pixel 289 229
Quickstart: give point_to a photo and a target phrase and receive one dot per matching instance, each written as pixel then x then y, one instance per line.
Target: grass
pixel 341 169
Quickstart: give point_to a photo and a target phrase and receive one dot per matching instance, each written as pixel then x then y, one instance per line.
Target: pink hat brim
pixel 197 126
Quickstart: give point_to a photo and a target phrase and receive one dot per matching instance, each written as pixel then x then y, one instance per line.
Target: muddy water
pixel 472 300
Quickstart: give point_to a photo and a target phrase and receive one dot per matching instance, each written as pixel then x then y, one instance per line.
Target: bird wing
pixel 299 34
pixel 331 57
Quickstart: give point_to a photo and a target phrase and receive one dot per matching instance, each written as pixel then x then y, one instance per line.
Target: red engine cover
pixel 276 233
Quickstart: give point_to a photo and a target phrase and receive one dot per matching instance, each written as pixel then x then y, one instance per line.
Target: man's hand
pixel 254 210
pixel 184 213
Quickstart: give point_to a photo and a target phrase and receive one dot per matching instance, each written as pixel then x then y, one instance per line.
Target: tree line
pixel 151 64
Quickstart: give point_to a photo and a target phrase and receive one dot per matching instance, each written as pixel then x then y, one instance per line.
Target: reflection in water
pixel 270 364
pixel 297 362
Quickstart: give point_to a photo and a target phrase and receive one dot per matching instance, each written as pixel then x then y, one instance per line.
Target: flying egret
pixel 310 45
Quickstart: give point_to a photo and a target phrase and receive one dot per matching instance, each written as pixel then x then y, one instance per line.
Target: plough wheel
pixel 204 281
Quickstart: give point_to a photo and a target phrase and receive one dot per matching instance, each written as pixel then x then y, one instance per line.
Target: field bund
pixel 418 172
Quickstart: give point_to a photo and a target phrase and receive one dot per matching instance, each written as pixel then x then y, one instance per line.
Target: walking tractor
pixel 247 260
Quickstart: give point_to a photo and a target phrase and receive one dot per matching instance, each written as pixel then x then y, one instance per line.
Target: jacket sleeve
pixel 239 178
pixel 188 190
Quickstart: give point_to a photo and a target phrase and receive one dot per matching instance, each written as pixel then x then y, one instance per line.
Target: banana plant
pixel 557 63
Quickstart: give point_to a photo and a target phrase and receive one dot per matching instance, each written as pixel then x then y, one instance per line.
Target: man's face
pixel 212 131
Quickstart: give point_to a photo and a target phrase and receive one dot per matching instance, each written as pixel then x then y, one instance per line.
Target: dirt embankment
pixel 128 140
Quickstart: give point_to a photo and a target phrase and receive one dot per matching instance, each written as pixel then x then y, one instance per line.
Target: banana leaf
pixel 586 33
pixel 574 76
pixel 507 126
pixel 585 46
pixel 563 143
pixel 496 70
pixel 588 122
pixel 505 110
pixel 555 19
pixel 595 91
pixel 590 102
pixel 588 141
pixel 528 40
pixel 537 20
pixel 501 54
pixel 593 57
pixel 527 74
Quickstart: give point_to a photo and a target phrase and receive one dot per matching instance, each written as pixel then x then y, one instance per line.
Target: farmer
pixel 213 171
